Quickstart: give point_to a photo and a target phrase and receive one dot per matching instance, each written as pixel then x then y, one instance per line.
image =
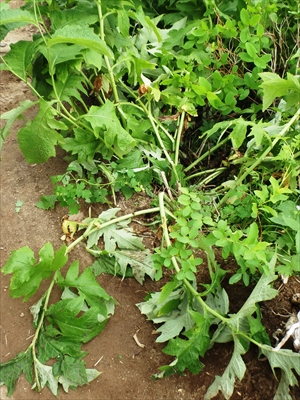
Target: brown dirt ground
pixel 126 368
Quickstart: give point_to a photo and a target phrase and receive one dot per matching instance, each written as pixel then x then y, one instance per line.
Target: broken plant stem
pixel 95 225
pixel 38 329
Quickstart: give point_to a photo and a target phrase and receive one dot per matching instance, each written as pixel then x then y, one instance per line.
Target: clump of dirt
pixel 126 368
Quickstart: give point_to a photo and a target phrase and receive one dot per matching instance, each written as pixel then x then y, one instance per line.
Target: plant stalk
pixel 262 156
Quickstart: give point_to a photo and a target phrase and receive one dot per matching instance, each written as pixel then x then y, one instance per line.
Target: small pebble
pixel 295 299
pixel 22 315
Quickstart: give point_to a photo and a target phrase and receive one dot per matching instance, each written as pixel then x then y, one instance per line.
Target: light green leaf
pixel 82 35
pixel 251 49
pixel 27 276
pixel 245 16
pixel 273 86
pixel 18 16
pixel 107 125
pixel 38 139
pixel 239 133
pixel 92 57
pixel 85 284
pixel 19 58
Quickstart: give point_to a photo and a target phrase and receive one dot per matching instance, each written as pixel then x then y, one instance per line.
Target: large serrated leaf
pixel 19 58
pixel 261 292
pixel 106 125
pixel 18 16
pixel 46 377
pixel 65 315
pixel 84 144
pixel 11 371
pixel 187 352
pixel 274 86
pixel 82 35
pixel 38 139
pixel 70 88
pixel 288 362
pixel 140 262
pixel 27 275
pixel 11 117
pixel 85 284
pixel 175 322
pixel 60 53
pixel 90 375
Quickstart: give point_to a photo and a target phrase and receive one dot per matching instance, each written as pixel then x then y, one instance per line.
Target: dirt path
pixel 126 368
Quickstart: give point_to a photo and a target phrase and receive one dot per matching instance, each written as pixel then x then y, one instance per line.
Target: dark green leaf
pixel 37 140
pixel 11 371
pixel 65 315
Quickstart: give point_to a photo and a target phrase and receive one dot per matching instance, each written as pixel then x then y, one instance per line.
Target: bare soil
pixel 126 368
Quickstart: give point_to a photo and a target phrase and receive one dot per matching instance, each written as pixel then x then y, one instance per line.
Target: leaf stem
pixel 179 134
pixel 99 225
pixel 176 266
pixel 206 154
pixel 38 329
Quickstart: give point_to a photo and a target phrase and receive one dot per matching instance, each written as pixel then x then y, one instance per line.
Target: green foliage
pixel 84 308
pixel 201 97
pixel 60 331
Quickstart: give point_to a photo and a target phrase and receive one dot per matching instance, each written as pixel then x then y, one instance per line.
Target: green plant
pixel 84 308
pixel 187 309
pixel 201 98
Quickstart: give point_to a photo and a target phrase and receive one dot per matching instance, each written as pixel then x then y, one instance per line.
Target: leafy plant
pixel 186 314
pixel 198 97
pixel 83 310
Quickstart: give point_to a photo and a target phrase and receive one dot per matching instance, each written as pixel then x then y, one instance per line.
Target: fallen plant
pixel 192 98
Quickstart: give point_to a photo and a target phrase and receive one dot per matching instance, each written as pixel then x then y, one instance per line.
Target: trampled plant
pixel 85 307
pixel 199 97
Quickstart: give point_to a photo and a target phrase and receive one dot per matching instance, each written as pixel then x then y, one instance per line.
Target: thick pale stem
pixel 99 226
pixel 178 137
